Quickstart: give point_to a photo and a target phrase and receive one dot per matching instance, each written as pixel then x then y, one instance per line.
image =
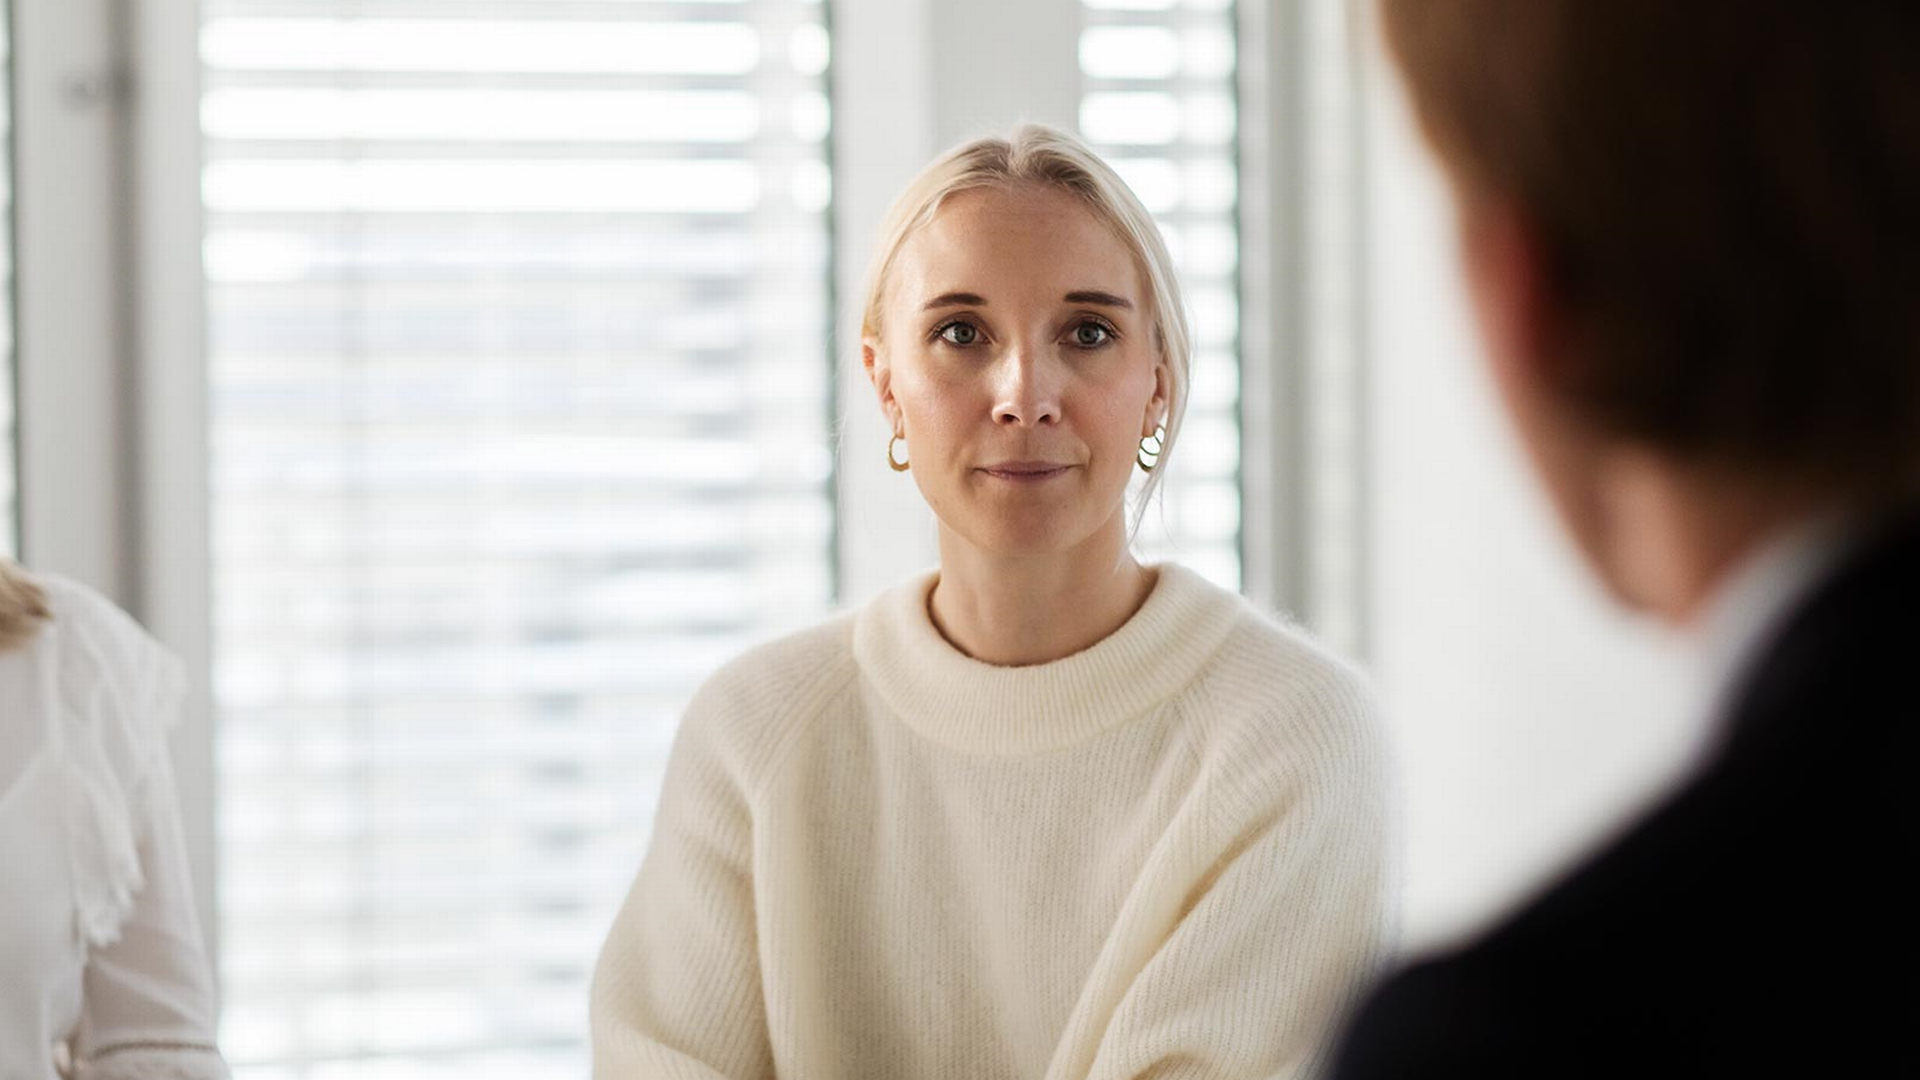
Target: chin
pixel 1025 544
pixel 1030 528
pixel 1029 536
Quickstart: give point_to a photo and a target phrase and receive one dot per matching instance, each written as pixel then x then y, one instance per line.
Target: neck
pixel 1678 535
pixel 1015 610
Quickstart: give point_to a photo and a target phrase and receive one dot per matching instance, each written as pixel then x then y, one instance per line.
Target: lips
pixel 1026 471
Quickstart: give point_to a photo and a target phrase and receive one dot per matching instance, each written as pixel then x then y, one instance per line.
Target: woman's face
pixel 1016 359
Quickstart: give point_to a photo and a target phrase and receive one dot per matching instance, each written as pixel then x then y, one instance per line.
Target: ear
pixel 1513 296
pixel 1162 400
pixel 880 375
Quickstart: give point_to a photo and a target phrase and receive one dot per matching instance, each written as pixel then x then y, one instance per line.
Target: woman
pixel 105 976
pixel 1045 811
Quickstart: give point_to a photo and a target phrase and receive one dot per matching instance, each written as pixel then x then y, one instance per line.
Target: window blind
pixel 520 401
pixel 1159 104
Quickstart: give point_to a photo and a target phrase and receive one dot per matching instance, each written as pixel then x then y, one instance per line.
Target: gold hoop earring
pixel 896 463
pixel 1149 456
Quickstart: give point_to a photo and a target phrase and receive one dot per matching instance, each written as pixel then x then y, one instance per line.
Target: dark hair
pixel 1728 197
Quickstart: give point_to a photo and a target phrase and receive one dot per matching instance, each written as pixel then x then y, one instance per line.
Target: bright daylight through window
pixel 520 401
pixel 519 320
pixel 1158 102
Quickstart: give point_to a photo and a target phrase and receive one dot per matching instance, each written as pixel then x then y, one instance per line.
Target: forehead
pixel 995 241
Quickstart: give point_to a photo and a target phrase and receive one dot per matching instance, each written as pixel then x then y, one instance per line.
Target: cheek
pixel 1125 403
pixel 933 411
pixel 1113 418
pixel 1119 430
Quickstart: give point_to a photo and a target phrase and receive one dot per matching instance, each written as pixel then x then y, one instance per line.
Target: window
pixel 1158 103
pixel 520 392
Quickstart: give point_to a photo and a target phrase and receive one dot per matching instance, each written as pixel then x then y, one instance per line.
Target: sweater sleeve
pixel 676 992
pixel 148 1003
pixel 1279 933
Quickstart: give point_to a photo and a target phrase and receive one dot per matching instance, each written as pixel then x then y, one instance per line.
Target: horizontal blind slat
pixel 518 319
pixel 1159 103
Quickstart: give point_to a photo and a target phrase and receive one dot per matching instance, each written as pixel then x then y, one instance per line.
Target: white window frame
pixel 110 360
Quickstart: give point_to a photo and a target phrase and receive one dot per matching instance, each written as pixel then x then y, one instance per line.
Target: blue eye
pixel 1091 335
pixel 960 333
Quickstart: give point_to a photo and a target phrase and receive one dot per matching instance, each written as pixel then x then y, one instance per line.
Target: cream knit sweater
pixel 876 857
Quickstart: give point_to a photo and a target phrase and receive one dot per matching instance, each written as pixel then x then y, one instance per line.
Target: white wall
pixel 70 264
pixel 1530 714
pixel 882 82
pixel 912 78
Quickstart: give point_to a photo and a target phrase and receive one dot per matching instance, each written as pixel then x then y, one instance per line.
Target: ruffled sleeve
pixel 147 1004
pixel 120 693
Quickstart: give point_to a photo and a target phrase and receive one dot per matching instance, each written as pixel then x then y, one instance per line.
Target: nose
pixel 1028 390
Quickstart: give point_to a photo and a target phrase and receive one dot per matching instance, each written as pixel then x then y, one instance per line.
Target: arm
pixel 147 1004
pixel 147 1007
pixel 676 993
pixel 1276 939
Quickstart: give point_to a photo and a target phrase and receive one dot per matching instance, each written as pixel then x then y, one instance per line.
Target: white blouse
pixel 105 976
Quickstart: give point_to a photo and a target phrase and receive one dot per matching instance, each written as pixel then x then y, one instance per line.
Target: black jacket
pixel 1762 921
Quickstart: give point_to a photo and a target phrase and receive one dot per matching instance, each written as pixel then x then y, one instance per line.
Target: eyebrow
pixel 955 299
pixel 1104 299
pixel 1083 296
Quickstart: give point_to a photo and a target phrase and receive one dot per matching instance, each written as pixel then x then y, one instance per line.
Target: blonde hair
pixel 1038 155
pixel 23 606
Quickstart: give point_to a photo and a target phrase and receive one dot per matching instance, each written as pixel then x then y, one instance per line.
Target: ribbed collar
pixel 961 702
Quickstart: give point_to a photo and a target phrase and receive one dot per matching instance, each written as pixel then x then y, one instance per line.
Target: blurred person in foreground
pixel 102 974
pixel 1044 811
pixel 1691 237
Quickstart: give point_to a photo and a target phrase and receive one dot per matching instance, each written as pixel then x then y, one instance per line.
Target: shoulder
pixel 1274 663
pixel 102 647
pixel 115 680
pixel 1276 703
pixel 116 693
pixel 784 671
pixel 90 621
pixel 748 710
